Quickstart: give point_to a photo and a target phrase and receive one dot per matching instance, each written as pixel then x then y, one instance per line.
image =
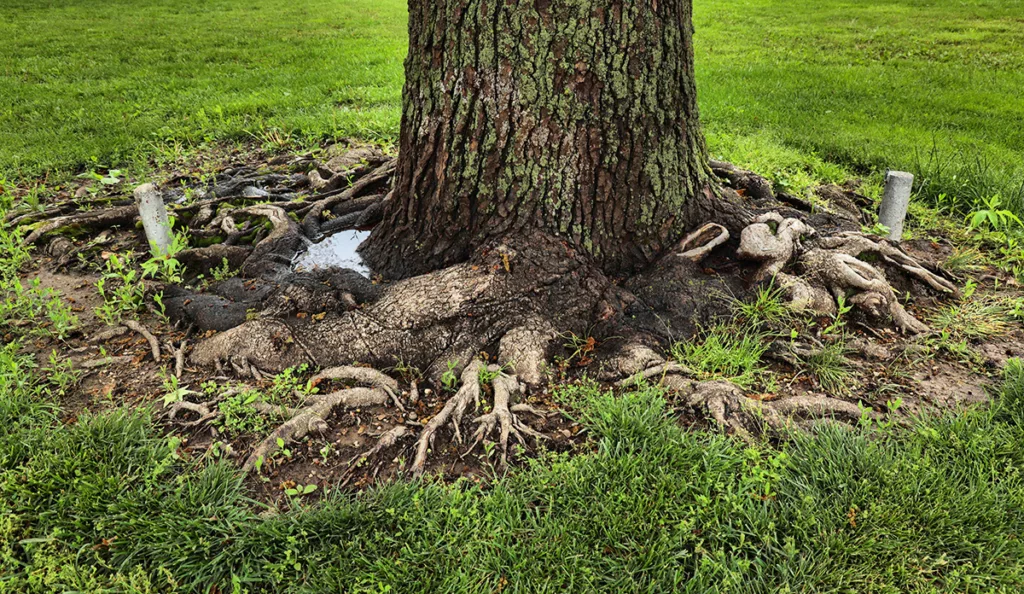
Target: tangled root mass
pixel 513 296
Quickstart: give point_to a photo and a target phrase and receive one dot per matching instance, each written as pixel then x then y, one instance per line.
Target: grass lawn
pixel 108 505
pixel 788 87
pixel 802 91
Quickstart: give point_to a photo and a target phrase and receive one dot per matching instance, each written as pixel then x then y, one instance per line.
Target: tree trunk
pixel 577 118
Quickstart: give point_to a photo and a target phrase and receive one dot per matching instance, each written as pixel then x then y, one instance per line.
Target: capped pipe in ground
pixel 895 200
pixel 153 213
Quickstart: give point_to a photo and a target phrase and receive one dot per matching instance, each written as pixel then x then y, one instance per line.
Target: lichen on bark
pixel 578 118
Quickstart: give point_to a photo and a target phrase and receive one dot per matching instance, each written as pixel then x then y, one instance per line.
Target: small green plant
pixel 944 341
pixel 326 452
pixel 878 230
pixel 964 260
pixel 281 449
pixel 35 310
pixel 161 309
pixel 580 348
pixel 239 414
pixel 173 391
pixel 61 373
pixel 288 383
pixel 111 178
pixel 449 380
pixel 164 266
pixel 486 376
pixel 993 216
pixel 223 271
pixel 300 490
pixel 838 323
pixel 121 288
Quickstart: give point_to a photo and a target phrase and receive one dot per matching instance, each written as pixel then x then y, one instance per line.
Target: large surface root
pixel 312 418
pixel 835 265
pixel 514 293
pixel 725 403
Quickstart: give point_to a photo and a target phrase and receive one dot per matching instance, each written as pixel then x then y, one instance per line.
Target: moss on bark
pixel 575 117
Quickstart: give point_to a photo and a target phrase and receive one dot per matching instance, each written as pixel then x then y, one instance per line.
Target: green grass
pixel 802 91
pixel 930 86
pixel 107 504
pixel 124 80
pixel 726 352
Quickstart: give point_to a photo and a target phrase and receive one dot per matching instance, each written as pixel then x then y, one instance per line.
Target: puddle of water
pixel 337 250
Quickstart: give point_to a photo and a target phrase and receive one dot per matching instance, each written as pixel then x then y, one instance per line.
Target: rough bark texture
pixel 578 118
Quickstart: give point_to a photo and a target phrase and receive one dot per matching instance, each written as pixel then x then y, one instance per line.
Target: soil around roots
pixel 491 328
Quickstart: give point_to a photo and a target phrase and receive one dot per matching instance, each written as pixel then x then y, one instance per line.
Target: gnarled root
pixel 386 440
pixel 857 244
pixel 841 272
pixel 698 244
pixel 452 412
pixel 312 417
pixel 833 266
pixel 502 417
pixel 364 375
pixel 727 406
pixel 201 410
pixel 154 344
pixel 773 248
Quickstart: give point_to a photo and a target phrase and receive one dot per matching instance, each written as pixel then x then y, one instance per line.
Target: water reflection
pixel 337 250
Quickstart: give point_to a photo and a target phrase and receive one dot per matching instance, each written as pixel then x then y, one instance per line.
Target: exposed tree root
pixel 751 184
pixel 726 405
pixel 513 295
pixel 121 215
pixel 452 412
pixel 311 418
pixel 201 410
pixel 388 439
pixel 108 333
pixel 154 344
pixel 772 247
pixel 833 265
pixel 365 375
pixel 522 290
pixel 502 417
pixel 179 356
pixel 312 214
pixel 697 245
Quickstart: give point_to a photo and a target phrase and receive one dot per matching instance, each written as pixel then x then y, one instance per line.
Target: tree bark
pixel 574 117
